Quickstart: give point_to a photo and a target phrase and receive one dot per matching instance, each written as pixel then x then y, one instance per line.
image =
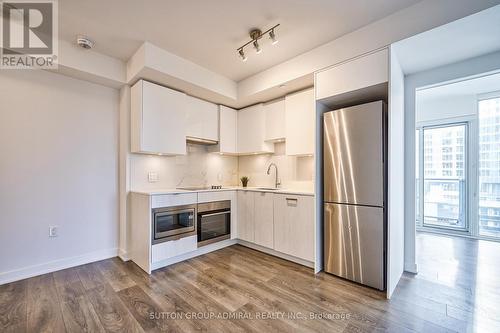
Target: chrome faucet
pixel 277 183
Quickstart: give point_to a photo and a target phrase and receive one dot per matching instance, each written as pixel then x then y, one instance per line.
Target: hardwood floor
pixel 240 290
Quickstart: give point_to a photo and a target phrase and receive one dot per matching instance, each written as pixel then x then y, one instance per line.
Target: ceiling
pixel 469 37
pixel 209 32
pixel 476 86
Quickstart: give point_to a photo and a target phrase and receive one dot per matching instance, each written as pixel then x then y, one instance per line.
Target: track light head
pixel 242 55
pixel 257 47
pixel 273 38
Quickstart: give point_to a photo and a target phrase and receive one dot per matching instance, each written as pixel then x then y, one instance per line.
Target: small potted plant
pixel 244 181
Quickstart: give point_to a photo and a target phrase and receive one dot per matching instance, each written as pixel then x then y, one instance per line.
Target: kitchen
pixel 272 144
pixel 188 166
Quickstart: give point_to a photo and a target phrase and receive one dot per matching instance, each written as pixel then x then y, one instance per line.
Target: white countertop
pixel 226 188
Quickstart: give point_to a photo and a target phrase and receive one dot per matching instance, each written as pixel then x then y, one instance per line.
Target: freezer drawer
pixel 354 243
pixel 353 155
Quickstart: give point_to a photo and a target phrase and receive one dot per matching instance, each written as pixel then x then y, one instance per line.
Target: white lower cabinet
pixel 246 226
pixel 173 248
pixel 263 219
pixel 294 225
pixel 282 222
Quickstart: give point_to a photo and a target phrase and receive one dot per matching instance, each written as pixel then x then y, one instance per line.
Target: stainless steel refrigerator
pixel 355 173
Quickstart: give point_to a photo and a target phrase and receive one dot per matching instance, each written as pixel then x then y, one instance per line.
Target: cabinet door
pixel 202 119
pixel 246 216
pixel 251 131
pixel 263 217
pixel 228 124
pixel 294 225
pixel 359 73
pixel 275 120
pixel 300 115
pixel 158 120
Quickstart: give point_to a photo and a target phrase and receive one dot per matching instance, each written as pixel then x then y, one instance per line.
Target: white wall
pixel 444 107
pixel 396 176
pixel 294 172
pixel 58 148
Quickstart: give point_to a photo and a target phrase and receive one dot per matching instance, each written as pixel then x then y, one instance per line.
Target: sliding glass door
pixel 443 168
pixel 489 167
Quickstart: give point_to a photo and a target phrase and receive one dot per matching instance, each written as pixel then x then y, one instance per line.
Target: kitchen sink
pixel 267 188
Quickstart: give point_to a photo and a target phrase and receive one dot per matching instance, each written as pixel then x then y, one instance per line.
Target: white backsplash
pixel 199 167
pixel 294 172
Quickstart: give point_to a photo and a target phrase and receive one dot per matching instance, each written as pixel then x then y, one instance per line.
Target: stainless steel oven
pixel 214 222
pixel 173 223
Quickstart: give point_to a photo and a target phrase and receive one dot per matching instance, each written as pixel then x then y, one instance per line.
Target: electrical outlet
pixel 153 177
pixel 53 231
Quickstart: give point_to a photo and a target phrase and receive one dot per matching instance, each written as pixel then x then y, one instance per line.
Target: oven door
pixel 213 226
pixel 173 222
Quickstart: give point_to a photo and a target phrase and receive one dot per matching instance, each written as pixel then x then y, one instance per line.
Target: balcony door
pixel 443 177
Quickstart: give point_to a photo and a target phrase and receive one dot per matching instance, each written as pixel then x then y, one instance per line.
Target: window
pixel 444 182
pixel 489 167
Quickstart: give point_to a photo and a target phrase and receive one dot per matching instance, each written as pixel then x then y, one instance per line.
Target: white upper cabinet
pixel 228 129
pixel 158 120
pixel 363 72
pixel 252 131
pixel 275 120
pixel 300 111
pixel 202 120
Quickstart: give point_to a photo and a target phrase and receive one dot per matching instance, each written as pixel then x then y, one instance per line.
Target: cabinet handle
pixel 291 201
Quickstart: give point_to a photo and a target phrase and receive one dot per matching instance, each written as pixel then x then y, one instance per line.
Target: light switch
pixel 153 177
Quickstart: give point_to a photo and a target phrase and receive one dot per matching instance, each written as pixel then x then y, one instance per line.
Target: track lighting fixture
pixel 242 55
pixel 255 35
pixel 257 47
pixel 273 38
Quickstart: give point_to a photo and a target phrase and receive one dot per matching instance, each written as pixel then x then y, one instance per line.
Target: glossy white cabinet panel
pixel 252 131
pixel 294 225
pixel 362 72
pixel 228 129
pixel 158 120
pixel 263 219
pixel 275 120
pixel 300 111
pixel 202 119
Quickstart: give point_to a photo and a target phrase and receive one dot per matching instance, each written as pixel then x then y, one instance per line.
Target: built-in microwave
pixel 173 223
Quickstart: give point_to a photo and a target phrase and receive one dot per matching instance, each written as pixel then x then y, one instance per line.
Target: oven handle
pixel 174 212
pixel 215 214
